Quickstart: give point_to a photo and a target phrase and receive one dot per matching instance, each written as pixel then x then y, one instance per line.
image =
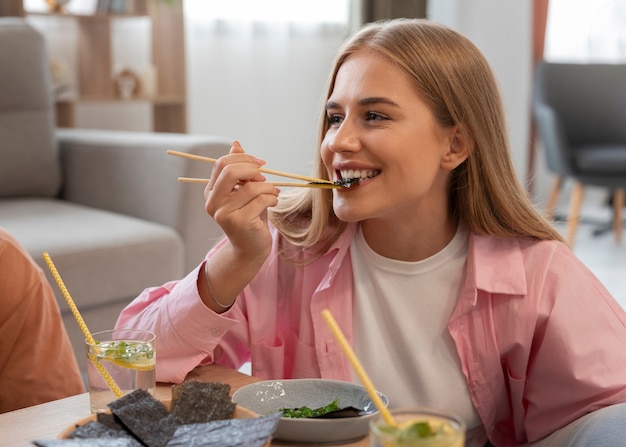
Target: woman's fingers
pixel 237 167
pixel 242 215
pixel 228 195
pixel 237 197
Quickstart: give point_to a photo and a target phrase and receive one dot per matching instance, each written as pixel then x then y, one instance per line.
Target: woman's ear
pixel 461 145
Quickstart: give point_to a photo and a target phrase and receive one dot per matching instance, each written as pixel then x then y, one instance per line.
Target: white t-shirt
pixel 401 313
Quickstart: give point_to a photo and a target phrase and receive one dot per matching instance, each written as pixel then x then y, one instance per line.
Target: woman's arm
pixel 187 331
pixel 237 198
pixel 577 361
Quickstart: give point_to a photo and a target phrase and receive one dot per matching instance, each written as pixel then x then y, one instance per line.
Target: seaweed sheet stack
pixel 201 415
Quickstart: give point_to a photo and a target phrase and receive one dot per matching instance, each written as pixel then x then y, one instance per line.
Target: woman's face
pixel 382 131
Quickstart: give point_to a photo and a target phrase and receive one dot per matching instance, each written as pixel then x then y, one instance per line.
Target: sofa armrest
pixel 130 173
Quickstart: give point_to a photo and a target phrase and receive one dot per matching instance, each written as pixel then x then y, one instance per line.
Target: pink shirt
pixel 541 341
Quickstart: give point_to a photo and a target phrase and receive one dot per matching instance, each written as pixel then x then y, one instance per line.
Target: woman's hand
pixel 237 197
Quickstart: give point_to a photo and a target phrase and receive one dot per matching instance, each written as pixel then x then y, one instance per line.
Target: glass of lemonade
pixel 129 357
pixel 418 427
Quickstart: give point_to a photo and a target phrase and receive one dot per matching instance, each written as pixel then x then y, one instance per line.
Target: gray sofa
pixel 106 205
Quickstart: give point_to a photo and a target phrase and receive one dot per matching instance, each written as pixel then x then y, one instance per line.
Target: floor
pixel 600 252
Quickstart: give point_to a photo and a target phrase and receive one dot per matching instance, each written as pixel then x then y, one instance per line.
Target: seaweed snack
pixel 110 421
pixel 229 433
pixel 97 430
pixel 101 442
pixel 138 419
pixel 195 402
pixel 145 417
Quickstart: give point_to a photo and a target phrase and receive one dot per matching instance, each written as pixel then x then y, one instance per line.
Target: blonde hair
pixel 457 83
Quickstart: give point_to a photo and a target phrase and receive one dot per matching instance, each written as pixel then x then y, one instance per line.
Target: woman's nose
pixel 345 138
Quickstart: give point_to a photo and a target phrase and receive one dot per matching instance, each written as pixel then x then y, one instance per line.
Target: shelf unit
pixel 95 64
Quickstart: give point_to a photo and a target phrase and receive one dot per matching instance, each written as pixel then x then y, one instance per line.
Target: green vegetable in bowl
pixel 306 412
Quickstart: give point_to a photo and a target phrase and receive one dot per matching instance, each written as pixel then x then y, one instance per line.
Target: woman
pixel 452 289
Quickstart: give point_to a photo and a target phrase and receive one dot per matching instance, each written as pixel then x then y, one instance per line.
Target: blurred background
pixel 256 71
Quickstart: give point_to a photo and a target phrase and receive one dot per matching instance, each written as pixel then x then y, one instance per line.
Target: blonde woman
pixel 451 288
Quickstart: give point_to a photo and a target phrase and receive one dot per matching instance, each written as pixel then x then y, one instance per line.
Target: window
pixel 584 31
pixel 324 11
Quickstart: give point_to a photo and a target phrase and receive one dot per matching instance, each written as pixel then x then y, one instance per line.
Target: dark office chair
pixel 580 112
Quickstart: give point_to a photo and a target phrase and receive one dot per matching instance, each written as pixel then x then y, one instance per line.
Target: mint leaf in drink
pixel 420 430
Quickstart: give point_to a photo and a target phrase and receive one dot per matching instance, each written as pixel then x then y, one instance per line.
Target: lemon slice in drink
pixel 142 365
pixel 133 355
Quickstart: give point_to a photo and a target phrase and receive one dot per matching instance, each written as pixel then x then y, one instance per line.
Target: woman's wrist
pixel 213 296
pixel 228 262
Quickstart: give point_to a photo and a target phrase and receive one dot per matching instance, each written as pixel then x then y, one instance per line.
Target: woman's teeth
pixel 356 173
pixel 354 176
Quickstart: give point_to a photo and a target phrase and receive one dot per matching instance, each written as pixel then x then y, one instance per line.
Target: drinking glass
pixel 418 427
pixel 129 357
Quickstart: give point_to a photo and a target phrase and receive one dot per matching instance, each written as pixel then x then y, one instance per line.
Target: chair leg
pixel 618 212
pixel 554 197
pixel 574 213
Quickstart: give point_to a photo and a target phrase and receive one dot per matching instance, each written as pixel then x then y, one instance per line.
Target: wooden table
pixel 46 421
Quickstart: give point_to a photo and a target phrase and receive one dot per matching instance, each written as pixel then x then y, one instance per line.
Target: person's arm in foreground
pixel 37 363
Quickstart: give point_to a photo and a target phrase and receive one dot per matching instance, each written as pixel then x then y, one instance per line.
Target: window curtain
pixel 261 82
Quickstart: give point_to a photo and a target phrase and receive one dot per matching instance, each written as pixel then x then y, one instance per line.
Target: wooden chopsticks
pixel 312 181
pixel 286 184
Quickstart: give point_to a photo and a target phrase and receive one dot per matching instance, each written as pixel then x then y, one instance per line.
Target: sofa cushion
pixel 102 256
pixel 30 163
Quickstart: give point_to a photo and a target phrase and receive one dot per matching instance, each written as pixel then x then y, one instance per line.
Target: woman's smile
pixel 352 177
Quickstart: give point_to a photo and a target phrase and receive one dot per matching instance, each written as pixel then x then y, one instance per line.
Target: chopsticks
pixel 294 184
pixel 312 181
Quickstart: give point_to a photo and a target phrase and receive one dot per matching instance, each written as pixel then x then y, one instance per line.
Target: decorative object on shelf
pixel 61 77
pixel 95 53
pixel 148 77
pixel 57 6
pixel 127 84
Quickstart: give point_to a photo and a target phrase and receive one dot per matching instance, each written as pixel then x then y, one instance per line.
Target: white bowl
pixel 269 396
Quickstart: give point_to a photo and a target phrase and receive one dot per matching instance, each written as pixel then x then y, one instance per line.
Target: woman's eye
pixel 334 119
pixel 373 116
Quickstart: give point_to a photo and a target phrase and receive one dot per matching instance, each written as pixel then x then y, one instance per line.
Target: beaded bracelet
pixel 208 282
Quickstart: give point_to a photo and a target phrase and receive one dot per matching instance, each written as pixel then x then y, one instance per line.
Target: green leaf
pixel 306 412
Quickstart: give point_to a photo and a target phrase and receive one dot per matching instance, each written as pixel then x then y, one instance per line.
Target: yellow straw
pixel 358 368
pixel 81 323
